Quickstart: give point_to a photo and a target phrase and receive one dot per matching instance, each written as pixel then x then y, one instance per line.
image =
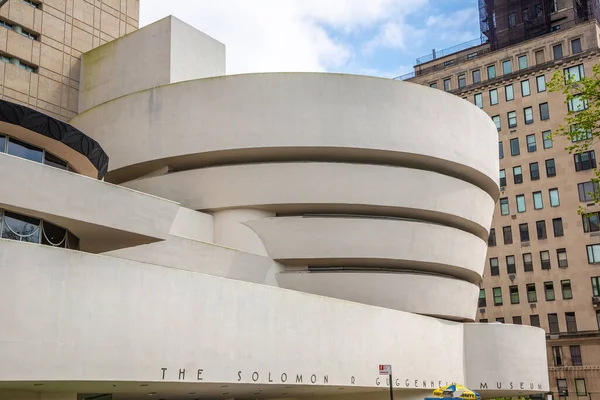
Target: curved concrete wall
pixel 368 242
pixel 93 210
pixel 263 117
pixel 328 187
pixel 147 317
pixel 420 294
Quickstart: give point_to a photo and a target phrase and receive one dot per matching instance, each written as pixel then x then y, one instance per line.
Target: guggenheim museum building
pixel 189 235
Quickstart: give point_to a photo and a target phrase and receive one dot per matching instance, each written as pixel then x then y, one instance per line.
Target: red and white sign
pixel 385 369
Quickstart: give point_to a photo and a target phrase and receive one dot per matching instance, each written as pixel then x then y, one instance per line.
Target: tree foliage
pixel 582 123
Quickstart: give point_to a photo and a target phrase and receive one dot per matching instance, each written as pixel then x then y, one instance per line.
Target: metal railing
pixel 435 54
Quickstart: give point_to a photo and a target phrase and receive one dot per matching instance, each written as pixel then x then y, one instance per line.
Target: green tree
pixel 582 123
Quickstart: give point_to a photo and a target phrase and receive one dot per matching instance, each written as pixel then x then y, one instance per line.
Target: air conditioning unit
pixel 514 216
pixel 502 188
pixel 532 305
pixel 525 244
pixel 512 277
pixel 482 310
pixel 596 301
pixel 554 336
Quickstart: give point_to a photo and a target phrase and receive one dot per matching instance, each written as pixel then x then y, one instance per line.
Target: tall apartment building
pixel 41 43
pixel 543 257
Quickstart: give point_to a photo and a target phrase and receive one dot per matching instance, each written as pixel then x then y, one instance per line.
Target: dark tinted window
pixel 24 150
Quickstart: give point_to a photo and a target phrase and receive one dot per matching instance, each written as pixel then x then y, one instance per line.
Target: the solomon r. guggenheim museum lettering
pixel 183 374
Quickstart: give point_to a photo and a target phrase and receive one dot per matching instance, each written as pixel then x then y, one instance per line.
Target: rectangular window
pixel 517 175
pixel 506 67
pixel 500 320
pixel 496 119
pixel 514 294
pixel 538 203
pixel 500 150
pixel 558 227
pixel 587 191
pixel 527 262
pixel 598 318
pixel 577 104
pixel 554 199
pixel 561 255
pixel 531 293
pixel 541 83
pixel 512 119
pixel 557 51
pixel 509 92
pixel 523 62
pixel 494 266
pixel 576 46
pixel 531 144
pixel 504 209
pixel 433 85
pixel 512 20
pixel 585 160
pixel 447 85
pixel 575 355
pixel 493 97
pixel 540 227
pixel 539 57
pixel 580 387
pixel 549 291
pixel 557 356
pixel 553 326
pixel 550 168
pixel 525 88
pixel 521 203
pixel 578 134
pixel 544 112
pixel 591 222
pixel 517 320
pixel 502 178
pixel 528 115
pixel 507 234
pixel 596 286
pixel 462 80
pixel 534 320
pixel 547 135
pixel 524 232
pixel 571 322
pixel 482 301
pixel 514 147
pixel 492 238
pixel 563 389
pixel 574 73
pixel 534 171
pixel 567 292
pixel 545 259
pixel 491 71
pixel 593 252
pixel 511 266
pixel 497 296
pixel 479 100
pixel 476 76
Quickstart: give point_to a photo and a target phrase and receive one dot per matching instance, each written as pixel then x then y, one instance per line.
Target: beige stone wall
pixel 65 29
pixel 579 271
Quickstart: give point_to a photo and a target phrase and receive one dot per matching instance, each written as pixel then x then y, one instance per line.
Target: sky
pixel 367 37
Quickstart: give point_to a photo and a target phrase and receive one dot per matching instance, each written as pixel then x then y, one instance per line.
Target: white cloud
pixel 289 35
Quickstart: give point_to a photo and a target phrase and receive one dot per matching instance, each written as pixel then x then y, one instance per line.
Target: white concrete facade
pixel 262 236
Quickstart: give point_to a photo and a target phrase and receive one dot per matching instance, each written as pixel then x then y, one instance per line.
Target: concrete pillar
pixel 230 230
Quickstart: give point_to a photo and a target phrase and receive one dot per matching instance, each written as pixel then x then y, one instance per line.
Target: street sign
pixel 385 369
